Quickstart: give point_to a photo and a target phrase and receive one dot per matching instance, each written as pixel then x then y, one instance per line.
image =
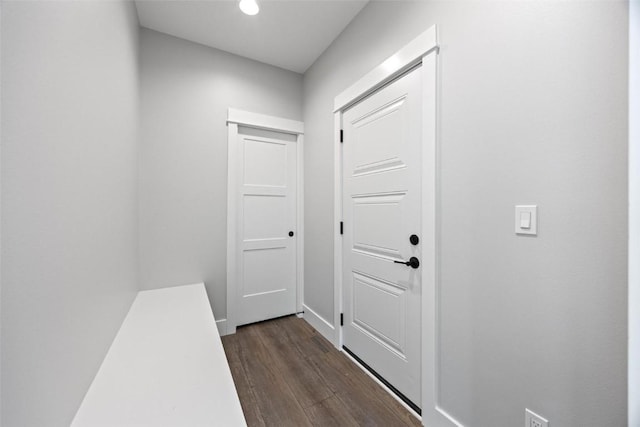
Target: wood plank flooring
pixel 287 374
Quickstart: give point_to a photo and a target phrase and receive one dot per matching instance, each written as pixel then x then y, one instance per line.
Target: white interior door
pixel 381 211
pixel 266 267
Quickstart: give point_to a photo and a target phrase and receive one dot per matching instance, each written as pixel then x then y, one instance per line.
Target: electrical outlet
pixel 531 419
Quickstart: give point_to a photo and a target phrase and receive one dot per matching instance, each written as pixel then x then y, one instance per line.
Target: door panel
pixel 368 213
pixel 267 206
pixel 265 163
pixel 265 216
pixel 372 151
pixel 381 209
pixel 388 325
pixel 262 270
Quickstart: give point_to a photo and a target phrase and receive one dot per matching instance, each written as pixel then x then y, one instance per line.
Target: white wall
pixel 634 212
pixel 69 222
pixel 533 110
pixel 0 214
pixel 186 89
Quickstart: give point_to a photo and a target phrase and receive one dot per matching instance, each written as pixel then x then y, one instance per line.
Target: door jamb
pixel 236 118
pixel 422 50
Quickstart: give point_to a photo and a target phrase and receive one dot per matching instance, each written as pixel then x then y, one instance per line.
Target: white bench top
pixel 166 367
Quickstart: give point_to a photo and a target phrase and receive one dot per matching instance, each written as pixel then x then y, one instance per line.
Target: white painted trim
pixel 236 118
pixel 422 50
pixel 319 323
pixel 262 121
pixel 337 240
pixel 430 204
pixel 222 327
pixel 446 419
pixel 232 185
pixel 1 287
pixel 390 68
pixel 432 412
pixel 300 224
pixel 634 216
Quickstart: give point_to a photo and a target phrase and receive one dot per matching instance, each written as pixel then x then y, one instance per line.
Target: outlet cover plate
pixel 531 419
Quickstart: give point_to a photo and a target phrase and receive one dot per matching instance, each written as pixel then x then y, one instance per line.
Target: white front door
pixel 266 245
pixel 381 211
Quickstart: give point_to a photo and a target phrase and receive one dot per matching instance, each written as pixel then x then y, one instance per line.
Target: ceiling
pixel 289 34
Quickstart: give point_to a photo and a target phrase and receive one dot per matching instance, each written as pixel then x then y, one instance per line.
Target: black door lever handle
pixel 413 262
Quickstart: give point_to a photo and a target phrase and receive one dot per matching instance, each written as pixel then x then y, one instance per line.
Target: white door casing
pixel 264 204
pixel 421 50
pixel 381 210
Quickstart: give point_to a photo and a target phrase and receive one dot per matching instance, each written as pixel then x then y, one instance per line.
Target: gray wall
pixel 634 213
pixel 533 110
pixel 1 213
pixel 69 221
pixel 186 89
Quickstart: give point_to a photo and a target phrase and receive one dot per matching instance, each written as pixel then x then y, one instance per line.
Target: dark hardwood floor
pixel 287 374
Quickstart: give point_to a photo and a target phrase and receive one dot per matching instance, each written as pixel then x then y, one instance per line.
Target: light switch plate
pixel 521 213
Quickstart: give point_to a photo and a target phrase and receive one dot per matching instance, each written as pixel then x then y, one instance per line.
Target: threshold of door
pixel 404 400
pixel 267 320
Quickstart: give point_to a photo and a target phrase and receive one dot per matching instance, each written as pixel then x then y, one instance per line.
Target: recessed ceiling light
pixel 250 7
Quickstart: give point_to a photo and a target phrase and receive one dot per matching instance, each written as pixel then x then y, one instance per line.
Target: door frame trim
pixel 421 50
pixel 236 118
pixel 407 57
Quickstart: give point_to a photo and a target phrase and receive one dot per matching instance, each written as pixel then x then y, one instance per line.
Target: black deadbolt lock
pixel 291 234
pixel 414 239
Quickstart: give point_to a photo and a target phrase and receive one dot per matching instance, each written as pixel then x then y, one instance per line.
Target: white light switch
pixel 527 219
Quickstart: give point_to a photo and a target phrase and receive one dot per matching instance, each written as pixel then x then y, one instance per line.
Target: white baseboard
pixel 222 327
pixel 325 328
